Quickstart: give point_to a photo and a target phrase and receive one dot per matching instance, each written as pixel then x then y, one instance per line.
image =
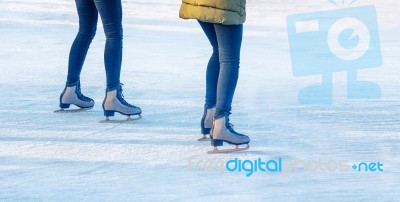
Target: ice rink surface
pixel 71 157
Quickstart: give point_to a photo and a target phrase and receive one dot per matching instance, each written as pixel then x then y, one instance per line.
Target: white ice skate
pixel 72 96
pixel 115 102
pixel 222 131
pixel 206 123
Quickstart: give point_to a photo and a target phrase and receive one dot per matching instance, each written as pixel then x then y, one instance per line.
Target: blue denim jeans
pixel 111 15
pixel 223 66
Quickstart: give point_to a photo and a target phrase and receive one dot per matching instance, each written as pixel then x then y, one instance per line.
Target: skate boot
pixel 115 102
pixel 222 131
pixel 206 123
pixel 72 95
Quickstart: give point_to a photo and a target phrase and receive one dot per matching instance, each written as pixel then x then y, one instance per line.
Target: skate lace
pixel 121 98
pixel 79 93
pixel 230 126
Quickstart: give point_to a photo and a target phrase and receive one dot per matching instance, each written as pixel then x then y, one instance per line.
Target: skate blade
pixel 203 139
pixel 236 149
pixel 71 110
pixel 108 120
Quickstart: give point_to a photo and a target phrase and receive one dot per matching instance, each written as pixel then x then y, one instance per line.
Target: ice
pixel 71 157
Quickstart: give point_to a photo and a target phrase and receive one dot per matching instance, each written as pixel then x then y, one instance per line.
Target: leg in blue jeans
pixel 223 67
pixel 87 13
pixel 213 67
pixel 111 15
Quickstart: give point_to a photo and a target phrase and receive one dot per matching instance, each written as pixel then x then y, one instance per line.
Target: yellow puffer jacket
pixel 227 12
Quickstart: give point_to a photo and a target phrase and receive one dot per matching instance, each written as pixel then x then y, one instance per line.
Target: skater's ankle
pixel 111 95
pixel 112 87
pixel 208 106
pixel 221 115
pixel 72 82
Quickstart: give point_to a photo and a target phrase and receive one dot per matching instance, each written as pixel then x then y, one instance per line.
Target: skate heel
pixel 108 113
pixel 64 106
pixel 216 143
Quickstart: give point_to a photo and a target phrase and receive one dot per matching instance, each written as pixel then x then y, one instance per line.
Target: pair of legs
pixel 223 66
pixel 111 15
pixel 221 79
